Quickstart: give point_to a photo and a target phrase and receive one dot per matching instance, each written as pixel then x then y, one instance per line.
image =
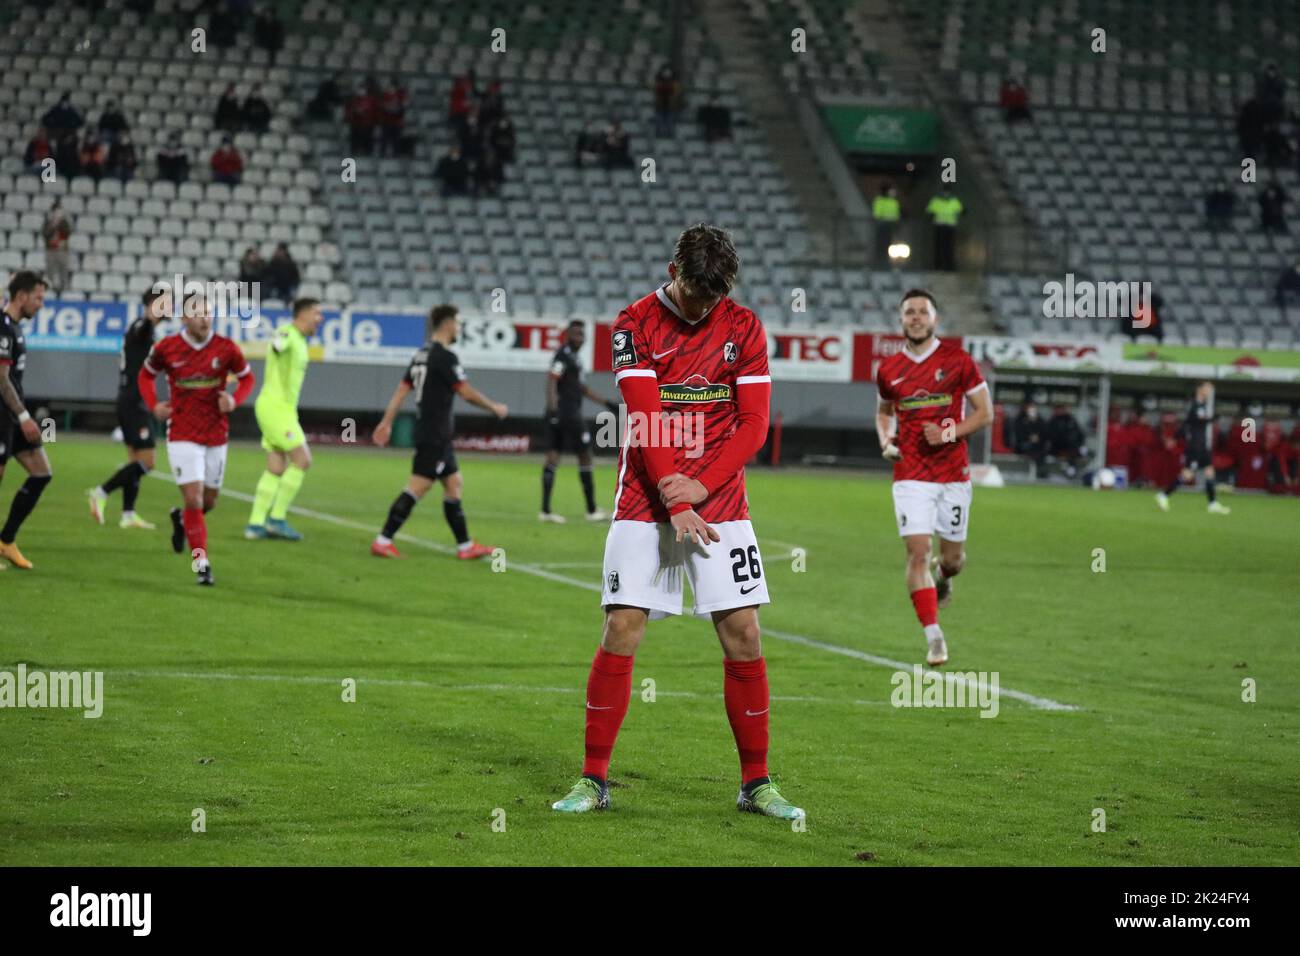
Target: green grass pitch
pixel 469 684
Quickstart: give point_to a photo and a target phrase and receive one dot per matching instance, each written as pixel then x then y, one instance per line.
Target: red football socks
pixel 609 688
pixel 196 529
pixel 746 695
pixel 926 602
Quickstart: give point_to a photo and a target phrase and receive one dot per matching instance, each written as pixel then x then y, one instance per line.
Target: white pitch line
pixel 457 688
pixel 786 545
pixel 1040 703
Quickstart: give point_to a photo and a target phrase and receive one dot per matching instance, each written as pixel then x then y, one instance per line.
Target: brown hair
pixel 706 261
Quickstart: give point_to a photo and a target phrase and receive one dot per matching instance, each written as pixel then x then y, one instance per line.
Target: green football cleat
pixel 586 795
pixel 767 800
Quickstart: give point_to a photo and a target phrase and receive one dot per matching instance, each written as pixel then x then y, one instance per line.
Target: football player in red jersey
pixel 692 368
pixel 925 387
pixel 197 363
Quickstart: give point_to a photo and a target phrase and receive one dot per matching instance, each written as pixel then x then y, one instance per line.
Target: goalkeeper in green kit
pixel 287 455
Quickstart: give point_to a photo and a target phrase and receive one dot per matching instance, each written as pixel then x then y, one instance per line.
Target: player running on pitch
pixel 436 377
pixel 925 387
pixel 20 436
pixel 688 350
pixel 287 454
pixel 136 421
pixel 1197 431
pixel 565 391
pixel 196 362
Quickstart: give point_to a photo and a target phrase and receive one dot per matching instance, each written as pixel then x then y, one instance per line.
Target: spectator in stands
pixel 93 156
pixel 470 134
pixel 361 115
pixel 268 32
pixel 1250 128
pixel 392 113
pixel 227 164
pixel 223 24
pixel 667 96
pixel 252 267
pixel 62 118
pixel 112 123
pixel 1270 92
pixel 1272 215
pixel 617 152
pixel 328 98
pixel 885 212
pixel 1147 319
pixel 37 152
pixel 173 161
pixel 255 114
pixel 1065 440
pixel 502 139
pixel 488 173
pixel 1288 286
pixel 282 276
pixel 491 106
pixel 56 231
pixel 227 116
pixel 454 173
pixel 1014 100
pixel 1030 437
pixel 945 210
pixel 67 156
pixel 1277 148
pixel 715 120
pixel 462 98
pixel 591 143
pixel 1220 204
pixel 122 159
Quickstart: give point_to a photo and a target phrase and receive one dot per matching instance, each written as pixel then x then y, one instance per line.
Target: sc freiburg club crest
pixel 613 582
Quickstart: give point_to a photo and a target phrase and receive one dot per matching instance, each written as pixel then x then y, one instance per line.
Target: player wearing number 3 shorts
pixel 691 365
pixel 924 388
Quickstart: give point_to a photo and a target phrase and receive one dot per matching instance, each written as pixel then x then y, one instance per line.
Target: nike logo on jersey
pixel 748 589
pixel 757 713
pixel 591 706
pixel 896 381
pixel 659 355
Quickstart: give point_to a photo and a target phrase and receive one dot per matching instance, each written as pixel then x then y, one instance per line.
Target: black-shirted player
pixel 19 436
pixel 436 377
pixel 136 421
pixel 565 391
pixel 1197 431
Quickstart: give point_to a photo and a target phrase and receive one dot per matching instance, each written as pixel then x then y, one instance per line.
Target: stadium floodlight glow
pixel 900 250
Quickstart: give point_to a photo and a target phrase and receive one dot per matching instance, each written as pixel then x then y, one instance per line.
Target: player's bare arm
pixel 599 399
pixel 885 430
pixel 552 395
pixel 9 395
pixel 475 397
pixel 384 430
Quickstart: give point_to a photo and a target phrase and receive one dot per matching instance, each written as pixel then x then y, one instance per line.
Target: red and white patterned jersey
pixel 698 369
pixel 197 376
pixel 929 388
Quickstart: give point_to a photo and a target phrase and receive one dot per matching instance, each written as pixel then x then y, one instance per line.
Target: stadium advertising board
pixel 351 335
pixel 869 129
pixel 80 326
